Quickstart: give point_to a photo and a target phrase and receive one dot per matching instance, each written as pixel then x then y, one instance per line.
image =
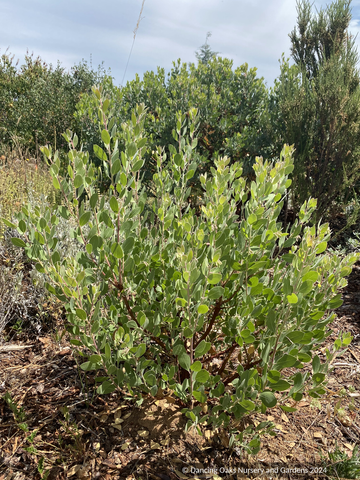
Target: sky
pixel 251 31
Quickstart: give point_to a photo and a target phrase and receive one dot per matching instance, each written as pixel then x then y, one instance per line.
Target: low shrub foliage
pixel 223 312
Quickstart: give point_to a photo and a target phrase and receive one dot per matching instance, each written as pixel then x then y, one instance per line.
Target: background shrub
pixel 232 106
pixel 318 104
pixel 37 100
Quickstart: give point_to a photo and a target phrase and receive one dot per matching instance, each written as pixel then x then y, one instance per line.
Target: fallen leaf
pixel 165 442
pixel 110 464
pixel 117 426
pixel 15 445
pixel 83 473
pixel 160 393
pixel 40 388
pixel 73 470
pixel 281 428
pixel 284 417
pixel 224 438
pixel 154 445
pixel 170 400
pixel 64 351
pixel 117 414
pixel 345 420
pixel 143 433
pixel 125 445
pixel 119 408
pixel 251 350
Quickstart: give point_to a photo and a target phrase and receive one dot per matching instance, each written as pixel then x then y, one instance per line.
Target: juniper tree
pixel 205 54
pixel 319 102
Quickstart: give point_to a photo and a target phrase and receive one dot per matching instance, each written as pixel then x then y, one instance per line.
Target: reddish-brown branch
pixel 236 375
pixel 212 321
pixel 224 352
pixel 230 379
pixel 227 358
pixel 120 287
pixel 233 295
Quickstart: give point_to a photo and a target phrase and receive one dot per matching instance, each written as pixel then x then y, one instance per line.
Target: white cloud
pixel 252 31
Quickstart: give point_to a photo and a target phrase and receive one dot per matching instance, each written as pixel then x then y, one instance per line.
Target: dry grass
pixel 23 179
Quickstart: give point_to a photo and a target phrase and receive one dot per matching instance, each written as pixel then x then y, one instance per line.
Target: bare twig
pixel 13 348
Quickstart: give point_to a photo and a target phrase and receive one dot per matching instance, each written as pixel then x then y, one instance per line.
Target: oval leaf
pixel 292 298
pixel 248 405
pixel 214 278
pixel 202 348
pixel 252 218
pixel 114 204
pixel 116 250
pixel 196 367
pixel 81 314
pixel 321 247
pixel 280 386
pixel 128 245
pixel 268 399
pixel 184 361
pixel 99 152
pixel 203 309
pixel 105 137
pixel 215 293
pixel 78 181
pixel 18 242
pixel 56 183
pixel 85 217
pixel 202 376
pixel 285 361
pixel 137 166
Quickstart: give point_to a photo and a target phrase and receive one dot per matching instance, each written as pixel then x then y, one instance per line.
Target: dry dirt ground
pixel 71 433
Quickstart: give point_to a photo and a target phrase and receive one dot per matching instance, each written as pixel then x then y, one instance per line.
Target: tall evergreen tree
pixel 319 101
pixel 205 54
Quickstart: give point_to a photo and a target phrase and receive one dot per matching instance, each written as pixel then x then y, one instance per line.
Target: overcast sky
pixel 252 31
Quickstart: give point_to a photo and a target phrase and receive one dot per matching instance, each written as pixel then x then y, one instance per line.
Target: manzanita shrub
pixel 223 313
